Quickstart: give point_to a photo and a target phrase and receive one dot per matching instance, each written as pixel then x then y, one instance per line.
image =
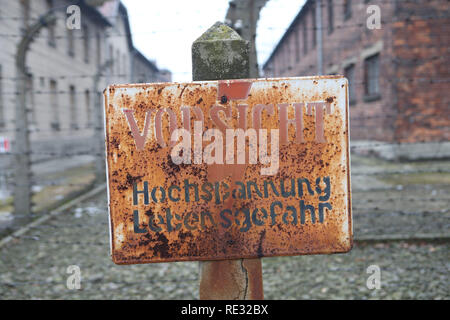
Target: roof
pixel 109 10
pixel 124 15
pixel 144 59
pixel 291 27
pixel 92 11
pixel 114 9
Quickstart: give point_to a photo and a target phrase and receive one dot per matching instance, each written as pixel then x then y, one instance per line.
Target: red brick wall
pixel 422 58
pixel 406 110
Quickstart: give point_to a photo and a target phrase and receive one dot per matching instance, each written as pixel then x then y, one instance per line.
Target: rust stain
pixel 198 211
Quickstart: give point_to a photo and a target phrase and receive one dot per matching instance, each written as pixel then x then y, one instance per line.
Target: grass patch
pixel 417 178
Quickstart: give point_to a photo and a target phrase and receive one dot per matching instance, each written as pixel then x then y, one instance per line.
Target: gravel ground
pixel 34 266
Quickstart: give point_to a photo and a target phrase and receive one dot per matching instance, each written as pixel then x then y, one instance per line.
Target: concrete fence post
pixel 219 54
pixel 22 152
pixel 99 134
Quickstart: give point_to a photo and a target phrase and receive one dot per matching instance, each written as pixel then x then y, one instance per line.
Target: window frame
pixel 313 23
pixel 86 44
pixel 351 69
pixel 330 17
pixel 87 102
pixel 372 78
pixel 55 123
pixel 73 108
pixel 70 43
pixel 347 7
pixel 305 37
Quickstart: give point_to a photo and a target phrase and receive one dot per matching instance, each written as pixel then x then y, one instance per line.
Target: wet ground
pixel 54 181
pixel 391 201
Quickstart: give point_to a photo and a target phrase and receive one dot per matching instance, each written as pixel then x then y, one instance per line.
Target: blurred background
pixel 57 57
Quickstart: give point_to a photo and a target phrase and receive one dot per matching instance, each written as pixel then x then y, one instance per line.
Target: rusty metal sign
pixel 228 169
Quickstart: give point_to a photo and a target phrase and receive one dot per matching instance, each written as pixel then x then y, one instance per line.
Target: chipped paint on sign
pixel 195 208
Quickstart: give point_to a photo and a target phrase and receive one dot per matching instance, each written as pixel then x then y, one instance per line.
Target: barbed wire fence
pixel 21 182
pixel 19 175
pixel 36 156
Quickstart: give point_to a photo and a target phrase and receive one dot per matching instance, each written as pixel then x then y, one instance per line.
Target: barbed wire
pixel 44 183
pixel 346 25
pixel 374 210
pixel 396 80
pixel 366 125
pixel 399 172
pixel 343 3
pixel 107 244
pixel 98 128
pixel 71 76
pixel 362 146
pixel 127 75
pixel 60 182
pixel 35 15
pixel 299 54
pixel 336 27
pixel 356 210
pixel 40 130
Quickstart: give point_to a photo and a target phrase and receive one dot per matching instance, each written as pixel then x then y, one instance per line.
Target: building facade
pixel 397 73
pixel 66 71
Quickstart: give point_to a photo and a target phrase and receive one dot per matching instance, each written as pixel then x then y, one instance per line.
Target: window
pixel 297 45
pixel 330 16
pixel 118 62
pixel 54 105
pixel 371 77
pixel 87 103
pixel 72 111
pixel 305 38
pixel 111 58
pixel 2 115
pixel 124 66
pixel 51 35
pixel 99 49
pixel 51 27
pixel 86 43
pixel 347 9
pixel 349 72
pixel 70 43
pixel 313 26
pixel 30 99
pixel 287 53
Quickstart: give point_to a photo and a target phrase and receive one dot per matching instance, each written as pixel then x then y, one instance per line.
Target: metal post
pixel 319 37
pixel 220 53
pixel 22 152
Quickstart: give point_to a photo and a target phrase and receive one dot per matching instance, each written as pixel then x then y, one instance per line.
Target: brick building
pixel 66 71
pixel 399 74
